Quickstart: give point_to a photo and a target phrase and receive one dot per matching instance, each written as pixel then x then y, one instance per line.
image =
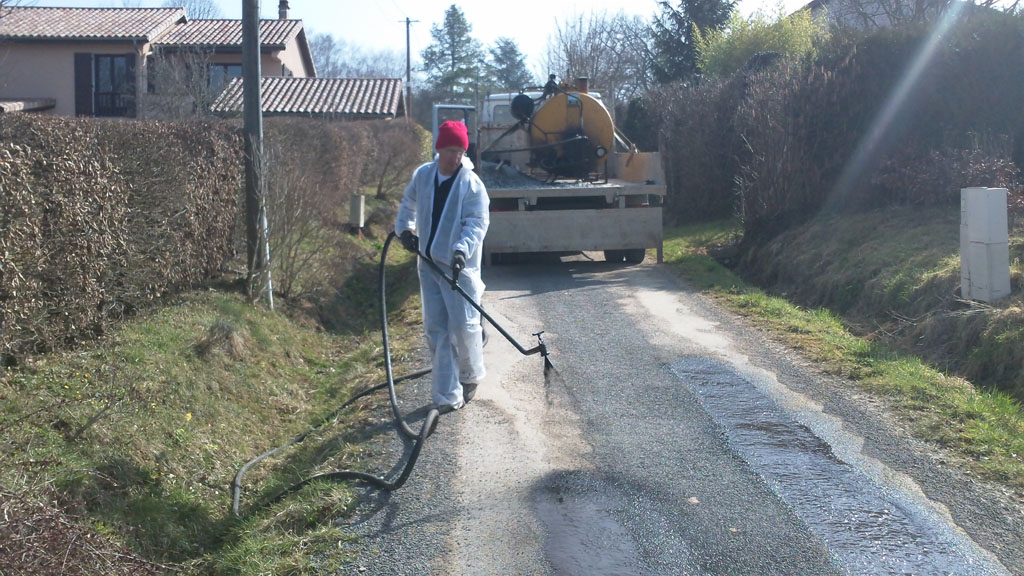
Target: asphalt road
pixel 673 439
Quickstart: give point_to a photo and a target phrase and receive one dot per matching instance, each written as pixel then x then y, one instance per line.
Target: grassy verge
pixel 984 427
pixel 894 276
pixel 128 448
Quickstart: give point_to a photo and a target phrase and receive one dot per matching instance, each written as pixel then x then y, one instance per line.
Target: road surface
pixel 673 439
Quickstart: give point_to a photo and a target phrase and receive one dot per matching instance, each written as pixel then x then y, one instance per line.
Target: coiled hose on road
pixel 429 422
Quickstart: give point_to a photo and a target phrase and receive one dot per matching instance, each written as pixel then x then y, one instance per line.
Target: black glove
pixel 410 241
pixel 458 264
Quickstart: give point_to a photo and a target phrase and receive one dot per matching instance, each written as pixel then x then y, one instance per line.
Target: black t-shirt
pixel 441 192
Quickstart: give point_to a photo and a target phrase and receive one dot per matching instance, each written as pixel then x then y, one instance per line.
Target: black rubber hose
pixel 375 481
pixel 237 485
pixel 400 423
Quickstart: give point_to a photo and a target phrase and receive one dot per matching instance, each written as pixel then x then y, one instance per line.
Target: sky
pixel 380 24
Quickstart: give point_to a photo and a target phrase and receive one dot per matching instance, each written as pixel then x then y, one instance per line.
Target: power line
pixel 384 12
pixel 399 8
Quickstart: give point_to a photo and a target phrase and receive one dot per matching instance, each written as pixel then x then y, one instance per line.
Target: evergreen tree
pixel 454 60
pixel 507 67
pixel 640 125
pixel 675 35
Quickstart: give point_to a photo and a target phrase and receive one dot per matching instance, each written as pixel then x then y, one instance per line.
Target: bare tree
pixel 634 51
pixel 373 64
pixel 335 58
pixel 873 14
pixel 196 9
pixel 179 86
pixel 5 4
pixel 613 51
pixel 326 52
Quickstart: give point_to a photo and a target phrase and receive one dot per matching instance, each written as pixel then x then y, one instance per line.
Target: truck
pixel 560 176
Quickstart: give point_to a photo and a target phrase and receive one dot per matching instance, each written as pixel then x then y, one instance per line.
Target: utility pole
pixel 256 243
pixel 408 68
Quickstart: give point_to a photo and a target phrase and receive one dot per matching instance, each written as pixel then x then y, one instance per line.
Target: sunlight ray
pixel 873 139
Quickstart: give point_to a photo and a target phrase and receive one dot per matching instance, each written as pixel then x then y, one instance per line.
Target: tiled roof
pixel 347 97
pixel 33 23
pixel 274 33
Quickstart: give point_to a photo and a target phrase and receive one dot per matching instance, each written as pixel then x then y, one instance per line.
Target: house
pixel 108 61
pixel 331 98
pixel 86 60
pixel 191 64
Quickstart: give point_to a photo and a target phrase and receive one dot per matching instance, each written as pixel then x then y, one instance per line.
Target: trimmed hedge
pixel 98 218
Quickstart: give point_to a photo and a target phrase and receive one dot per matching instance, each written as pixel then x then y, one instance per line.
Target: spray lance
pixel 540 348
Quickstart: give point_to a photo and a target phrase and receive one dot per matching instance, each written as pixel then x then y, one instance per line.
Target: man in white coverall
pixel 444 215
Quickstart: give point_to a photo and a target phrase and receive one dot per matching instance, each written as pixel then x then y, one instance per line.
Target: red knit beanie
pixel 452 133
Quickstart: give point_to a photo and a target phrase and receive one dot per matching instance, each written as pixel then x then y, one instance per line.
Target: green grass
pixel 984 427
pixel 298 538
pixel 139 436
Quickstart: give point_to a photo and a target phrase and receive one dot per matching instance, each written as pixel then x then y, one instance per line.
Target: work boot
pixel 448 408
pixel 468 391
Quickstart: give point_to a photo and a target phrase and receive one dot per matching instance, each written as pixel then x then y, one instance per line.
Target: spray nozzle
pixel 540 344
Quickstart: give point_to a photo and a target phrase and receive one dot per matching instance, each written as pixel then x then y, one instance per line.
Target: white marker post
pixel 984 244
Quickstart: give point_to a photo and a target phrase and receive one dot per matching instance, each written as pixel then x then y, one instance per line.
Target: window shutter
pixel 83 84
pixel 133 93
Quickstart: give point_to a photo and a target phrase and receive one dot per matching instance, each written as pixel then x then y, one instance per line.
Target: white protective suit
pixel 451 324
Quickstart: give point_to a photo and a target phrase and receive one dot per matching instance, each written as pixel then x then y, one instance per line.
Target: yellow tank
pixel 571 134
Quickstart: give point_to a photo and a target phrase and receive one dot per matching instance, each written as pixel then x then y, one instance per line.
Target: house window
pixel 221 74
pixel 114 85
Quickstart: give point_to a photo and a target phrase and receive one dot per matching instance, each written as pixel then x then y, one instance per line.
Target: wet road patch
pixel 869 528
pixel 583 534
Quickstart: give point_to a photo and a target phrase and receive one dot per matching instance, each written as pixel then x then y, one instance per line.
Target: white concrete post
pixel 984 244
pixel 357 210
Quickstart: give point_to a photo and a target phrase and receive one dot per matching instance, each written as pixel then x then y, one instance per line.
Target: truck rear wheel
pixel 614 256
pixel 635 255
